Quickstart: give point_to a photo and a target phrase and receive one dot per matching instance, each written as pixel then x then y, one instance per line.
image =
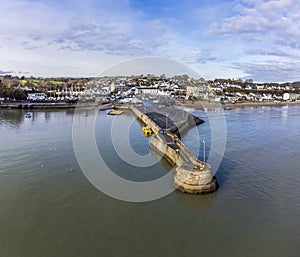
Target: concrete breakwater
pixel 191 175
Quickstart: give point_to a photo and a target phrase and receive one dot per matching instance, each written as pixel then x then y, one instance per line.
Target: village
pixel 124 88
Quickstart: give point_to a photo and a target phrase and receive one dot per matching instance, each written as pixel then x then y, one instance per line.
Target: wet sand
pixel 213 105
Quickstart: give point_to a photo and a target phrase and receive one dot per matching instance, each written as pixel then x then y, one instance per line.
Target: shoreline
pixel 198 105
pixel 31 106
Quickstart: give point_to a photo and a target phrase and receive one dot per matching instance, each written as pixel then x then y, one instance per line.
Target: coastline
pixel 29 106
pixel 198 105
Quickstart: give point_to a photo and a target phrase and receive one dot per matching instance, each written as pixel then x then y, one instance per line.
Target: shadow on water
pixel 195 201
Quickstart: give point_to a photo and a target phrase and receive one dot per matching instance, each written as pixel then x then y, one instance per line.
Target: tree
pixel 19 94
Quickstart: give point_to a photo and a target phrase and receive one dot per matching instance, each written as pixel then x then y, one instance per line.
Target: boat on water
pixel 114 112
pixel 147 131
pixel 27 115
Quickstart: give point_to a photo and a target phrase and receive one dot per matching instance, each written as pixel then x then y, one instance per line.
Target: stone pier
pixel 191 175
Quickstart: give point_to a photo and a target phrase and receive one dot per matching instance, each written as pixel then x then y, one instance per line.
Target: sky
pixel 240 39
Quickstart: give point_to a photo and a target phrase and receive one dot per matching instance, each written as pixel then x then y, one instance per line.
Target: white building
pixel 36 96
pixel 147 90
pixel 197 91
pixel 286 97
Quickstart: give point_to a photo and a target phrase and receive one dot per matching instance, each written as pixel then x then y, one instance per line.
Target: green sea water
pixel 49 208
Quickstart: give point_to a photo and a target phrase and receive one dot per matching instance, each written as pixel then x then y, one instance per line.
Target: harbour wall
pixel 191 175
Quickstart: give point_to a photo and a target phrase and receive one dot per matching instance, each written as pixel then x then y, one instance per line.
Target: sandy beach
pixel 211 105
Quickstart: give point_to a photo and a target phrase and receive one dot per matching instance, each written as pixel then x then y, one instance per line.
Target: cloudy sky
pixel 258 39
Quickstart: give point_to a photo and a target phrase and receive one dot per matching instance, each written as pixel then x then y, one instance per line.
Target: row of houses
pixel 177 87
pixel 253 87
pixel 254 97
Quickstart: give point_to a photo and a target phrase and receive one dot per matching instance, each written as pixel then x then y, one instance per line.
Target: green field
pixel 54 82
pixel 39 81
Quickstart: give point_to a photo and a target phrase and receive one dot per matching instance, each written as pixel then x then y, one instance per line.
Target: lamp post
pixel 204 152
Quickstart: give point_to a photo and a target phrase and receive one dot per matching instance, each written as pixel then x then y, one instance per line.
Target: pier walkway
pixel 168 124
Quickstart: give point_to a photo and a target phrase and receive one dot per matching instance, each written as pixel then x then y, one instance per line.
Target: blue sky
pixel 257 39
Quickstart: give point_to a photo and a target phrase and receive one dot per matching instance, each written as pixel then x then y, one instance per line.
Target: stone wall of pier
pixel 191 175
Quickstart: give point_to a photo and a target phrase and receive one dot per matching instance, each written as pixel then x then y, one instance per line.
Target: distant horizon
pixel 137 75
pixel 27 75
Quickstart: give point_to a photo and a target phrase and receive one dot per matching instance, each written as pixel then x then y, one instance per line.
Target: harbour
pixel 44 193
pixel 150 128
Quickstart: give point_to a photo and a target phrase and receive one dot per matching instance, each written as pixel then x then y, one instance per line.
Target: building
pixel 286 97
pixel 36 97
pixel 147 91
pixel 196 91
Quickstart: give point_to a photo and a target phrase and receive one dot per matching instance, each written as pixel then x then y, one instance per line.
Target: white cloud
pixel 83 37
pixel 274 21
pixel 268 32
pixel 46 33
pixel 97 28
pixel 274 51
pixel 270 70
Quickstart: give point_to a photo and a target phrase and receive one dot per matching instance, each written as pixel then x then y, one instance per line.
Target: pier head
pixel 191 175
pixel 195 180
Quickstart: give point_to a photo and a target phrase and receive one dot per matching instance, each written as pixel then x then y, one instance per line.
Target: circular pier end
pixel 189 179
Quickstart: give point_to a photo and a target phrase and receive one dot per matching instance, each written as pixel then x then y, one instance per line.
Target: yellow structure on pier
pixel 147 131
